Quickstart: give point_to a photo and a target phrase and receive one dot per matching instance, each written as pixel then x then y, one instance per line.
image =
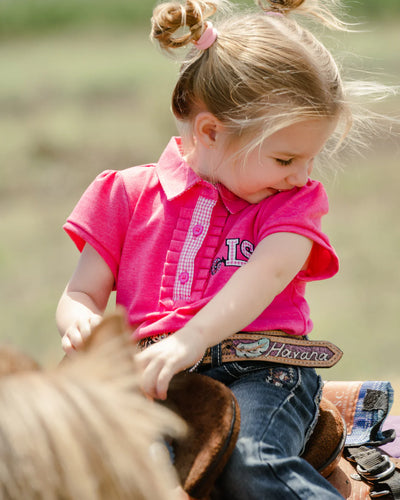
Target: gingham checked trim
pixel 201 216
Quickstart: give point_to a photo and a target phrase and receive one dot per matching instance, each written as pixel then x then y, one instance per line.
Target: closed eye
pixel 284 163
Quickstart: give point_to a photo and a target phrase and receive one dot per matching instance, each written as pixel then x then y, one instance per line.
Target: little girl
pixel 216 241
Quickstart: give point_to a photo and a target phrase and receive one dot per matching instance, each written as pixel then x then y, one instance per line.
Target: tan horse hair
pixel 82 430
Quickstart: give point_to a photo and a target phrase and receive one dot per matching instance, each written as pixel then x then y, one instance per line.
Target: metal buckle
pixel 379 494
pixel 370 477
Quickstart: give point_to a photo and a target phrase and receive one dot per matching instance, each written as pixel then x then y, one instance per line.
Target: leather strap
pixel 273 346
pixel 378 470
pixel 277 347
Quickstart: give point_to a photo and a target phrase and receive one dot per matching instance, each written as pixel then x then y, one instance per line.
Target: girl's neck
pixel 201 162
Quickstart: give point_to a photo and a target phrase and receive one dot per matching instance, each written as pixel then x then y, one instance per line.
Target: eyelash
pixel 284 163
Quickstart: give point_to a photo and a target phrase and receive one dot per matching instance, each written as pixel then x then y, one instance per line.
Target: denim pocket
pixel 280 376
pixel 237 370
pixel 283 377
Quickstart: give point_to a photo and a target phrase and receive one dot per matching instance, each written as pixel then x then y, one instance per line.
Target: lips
pixel 281 190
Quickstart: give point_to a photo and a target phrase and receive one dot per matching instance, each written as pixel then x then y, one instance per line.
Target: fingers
pixel 158 364
pixel 155 377
pixel 68 348
pixel 94 321
pixel 157 386
pixel 75 335
pixel 162 360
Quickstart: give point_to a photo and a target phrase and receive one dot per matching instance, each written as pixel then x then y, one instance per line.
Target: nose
pixel 299 177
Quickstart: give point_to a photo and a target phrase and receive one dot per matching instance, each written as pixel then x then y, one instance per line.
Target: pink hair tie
pixel 274 13
pixel 207 38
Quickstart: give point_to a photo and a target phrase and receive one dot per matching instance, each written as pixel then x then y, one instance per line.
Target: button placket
pixel 200 222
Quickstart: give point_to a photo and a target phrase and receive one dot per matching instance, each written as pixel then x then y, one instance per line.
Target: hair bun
pixel 170 17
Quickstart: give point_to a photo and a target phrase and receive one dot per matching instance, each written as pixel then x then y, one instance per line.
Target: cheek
pixel 246 181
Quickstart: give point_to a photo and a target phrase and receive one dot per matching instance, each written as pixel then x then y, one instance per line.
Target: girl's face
pixel 283 161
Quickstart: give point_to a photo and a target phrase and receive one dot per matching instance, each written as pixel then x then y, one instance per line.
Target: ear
pixel 207 128
pixel 113 325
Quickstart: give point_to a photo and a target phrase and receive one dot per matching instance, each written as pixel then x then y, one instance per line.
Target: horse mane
pixel 83 429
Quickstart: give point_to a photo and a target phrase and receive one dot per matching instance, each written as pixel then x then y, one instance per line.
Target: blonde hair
pixel 83 431
pixel 263 73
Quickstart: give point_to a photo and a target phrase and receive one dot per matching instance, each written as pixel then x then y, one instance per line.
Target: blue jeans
pixel 278 405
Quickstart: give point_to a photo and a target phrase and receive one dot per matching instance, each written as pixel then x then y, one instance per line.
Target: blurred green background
pixel 82 89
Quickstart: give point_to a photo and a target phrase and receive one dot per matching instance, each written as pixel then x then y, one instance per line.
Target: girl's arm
pixel 275 262
pixel 84 300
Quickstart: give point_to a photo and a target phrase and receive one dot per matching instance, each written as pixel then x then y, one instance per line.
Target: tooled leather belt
pixel 277 347
pixel 272 346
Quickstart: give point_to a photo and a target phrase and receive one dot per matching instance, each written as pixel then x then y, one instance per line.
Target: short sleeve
pixel 300 211
pixel 101 218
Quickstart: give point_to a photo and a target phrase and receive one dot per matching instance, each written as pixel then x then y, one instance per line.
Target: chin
pixel 257 198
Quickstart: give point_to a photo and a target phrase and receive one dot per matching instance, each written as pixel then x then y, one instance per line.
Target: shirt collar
pixel 174 173
pixel 232 202
pixel 176 177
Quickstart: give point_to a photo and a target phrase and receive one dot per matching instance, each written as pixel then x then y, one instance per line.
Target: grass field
pixel 76 102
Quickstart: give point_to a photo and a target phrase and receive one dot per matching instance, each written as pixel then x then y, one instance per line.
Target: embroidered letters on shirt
pixel 198 228
pixel 234 245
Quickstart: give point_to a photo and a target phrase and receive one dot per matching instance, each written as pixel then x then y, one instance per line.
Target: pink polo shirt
pixel 172 240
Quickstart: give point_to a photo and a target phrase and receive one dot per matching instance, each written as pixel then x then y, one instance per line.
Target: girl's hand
pixel 75 335
pixel 161 361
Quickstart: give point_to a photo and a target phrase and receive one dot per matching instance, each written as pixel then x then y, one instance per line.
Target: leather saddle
pixel 213 417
